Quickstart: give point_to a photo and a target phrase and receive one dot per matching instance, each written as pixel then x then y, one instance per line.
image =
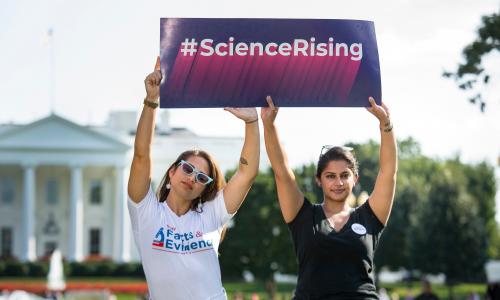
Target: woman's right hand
pixel 152 82
pixel 268 114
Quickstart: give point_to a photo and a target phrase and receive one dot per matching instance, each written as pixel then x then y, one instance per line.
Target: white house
pixel 63 185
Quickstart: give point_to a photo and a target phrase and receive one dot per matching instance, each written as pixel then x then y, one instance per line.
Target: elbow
pixel 138 155
pixel 247 173
pixel 250 175
pixel 141 156
pixel 395 170
pixel 389 175
pixel 389 170
pixel 284 176
pixel 142 151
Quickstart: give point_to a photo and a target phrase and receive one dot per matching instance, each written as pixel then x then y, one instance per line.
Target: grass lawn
pixel 461 291
pixel 283 291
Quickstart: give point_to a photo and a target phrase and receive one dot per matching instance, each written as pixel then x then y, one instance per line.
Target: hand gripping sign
pixel 238 62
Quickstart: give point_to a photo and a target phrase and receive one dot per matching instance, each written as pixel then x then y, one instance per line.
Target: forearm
pixel 250 153
pixel 140 171
pixel 289 195
pixel 388 151
pixel 145 132
pixel 276 152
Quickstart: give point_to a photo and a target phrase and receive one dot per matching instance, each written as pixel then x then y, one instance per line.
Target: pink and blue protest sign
pixel 238 62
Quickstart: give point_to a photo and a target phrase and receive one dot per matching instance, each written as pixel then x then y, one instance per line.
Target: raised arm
pixel 382 196
pixel 238 186
pixel 140 171
pixel 289 195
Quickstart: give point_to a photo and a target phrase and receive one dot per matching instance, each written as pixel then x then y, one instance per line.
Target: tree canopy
pixel 472 72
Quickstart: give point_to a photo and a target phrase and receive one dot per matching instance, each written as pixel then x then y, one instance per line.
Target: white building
pixel 63 185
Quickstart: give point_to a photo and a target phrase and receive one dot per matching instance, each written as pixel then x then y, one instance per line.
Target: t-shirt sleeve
pixel 372 223
pixel 143 211
pixel 217 210
pixel 302 221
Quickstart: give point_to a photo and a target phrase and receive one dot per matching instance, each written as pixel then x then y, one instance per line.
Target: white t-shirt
pixel 180 254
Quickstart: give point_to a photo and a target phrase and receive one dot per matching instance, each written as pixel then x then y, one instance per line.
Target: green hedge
pixel 38 269
pixel 13 268
pixel 16 269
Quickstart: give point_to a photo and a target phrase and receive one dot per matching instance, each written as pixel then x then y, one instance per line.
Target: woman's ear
pixel 318 182
pixel 171 173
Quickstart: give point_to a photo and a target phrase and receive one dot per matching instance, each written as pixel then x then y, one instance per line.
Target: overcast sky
pixel 104 49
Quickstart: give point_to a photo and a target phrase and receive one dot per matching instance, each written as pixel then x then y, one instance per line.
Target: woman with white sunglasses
pixel 178 229
pixel 334 243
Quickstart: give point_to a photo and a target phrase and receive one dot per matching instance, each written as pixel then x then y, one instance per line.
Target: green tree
pixel 481 186
pixel 395 246
pixel 258 241
pixel 450 235
pixel 471 72
pixel 367 155
pixel 305 177
pixel 432 195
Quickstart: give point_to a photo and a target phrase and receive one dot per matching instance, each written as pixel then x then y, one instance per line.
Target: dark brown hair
pixel 210 190
pixel 337 153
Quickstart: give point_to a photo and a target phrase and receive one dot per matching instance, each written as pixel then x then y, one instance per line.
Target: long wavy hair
pixel 210 190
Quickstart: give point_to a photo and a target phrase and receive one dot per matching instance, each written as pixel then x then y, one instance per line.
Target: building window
pixel 7 188
pixel 7 242
pixel 96 192
pixel 50 247
pixel 95 241
pixel 52 191
pixel 51 227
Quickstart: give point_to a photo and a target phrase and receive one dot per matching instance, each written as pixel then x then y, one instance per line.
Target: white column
pixel 122 226
pixel 29 241
pixel 76 230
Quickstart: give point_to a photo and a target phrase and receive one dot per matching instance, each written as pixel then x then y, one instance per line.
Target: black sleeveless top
pixel 335 265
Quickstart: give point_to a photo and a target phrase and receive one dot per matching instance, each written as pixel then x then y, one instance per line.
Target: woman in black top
pixel 334 244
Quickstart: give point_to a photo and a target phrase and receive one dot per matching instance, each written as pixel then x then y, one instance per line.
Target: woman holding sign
pixel 334 244
pixel 178 229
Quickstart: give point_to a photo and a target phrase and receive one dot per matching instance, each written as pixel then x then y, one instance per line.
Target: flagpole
pixel 52 72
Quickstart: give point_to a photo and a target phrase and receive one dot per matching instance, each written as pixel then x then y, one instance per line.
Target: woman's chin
pixel 338 197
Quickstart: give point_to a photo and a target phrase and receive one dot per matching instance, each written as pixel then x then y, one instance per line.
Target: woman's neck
pixel 332 207
pixel 178 205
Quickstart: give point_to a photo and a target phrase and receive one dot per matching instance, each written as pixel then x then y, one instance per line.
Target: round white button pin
pixel 358 228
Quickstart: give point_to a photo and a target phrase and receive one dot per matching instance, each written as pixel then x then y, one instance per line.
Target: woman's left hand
pixel 381 112
pixel 247 114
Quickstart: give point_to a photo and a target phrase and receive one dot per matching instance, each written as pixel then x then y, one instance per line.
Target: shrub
pixel 139 272
pixel 82 269
pixel 104 268
pixel 2 268
pixel 125 270
pixel 38 269
pixel 15 269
